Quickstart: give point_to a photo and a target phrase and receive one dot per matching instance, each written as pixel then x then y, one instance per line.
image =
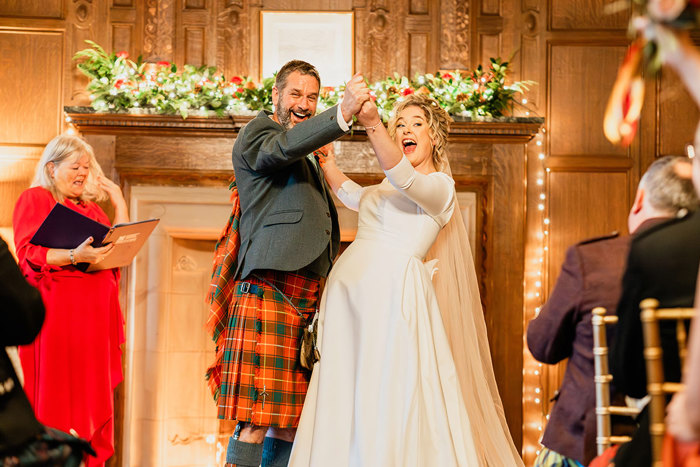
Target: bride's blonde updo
pixel 438 123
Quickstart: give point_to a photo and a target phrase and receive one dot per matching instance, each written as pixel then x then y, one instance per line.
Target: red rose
pixel 236 80
pixel 407 91
pixel 119 83
pixel 123 54
pixel 163 63
pixel 447 76
pixel 240 90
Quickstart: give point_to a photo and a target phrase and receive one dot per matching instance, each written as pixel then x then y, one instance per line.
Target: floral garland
pixel 654 25
pixel 118 84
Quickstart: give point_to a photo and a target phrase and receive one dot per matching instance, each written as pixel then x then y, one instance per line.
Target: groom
pixel 289 236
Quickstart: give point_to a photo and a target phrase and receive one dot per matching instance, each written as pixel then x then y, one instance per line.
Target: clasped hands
pixel 357 101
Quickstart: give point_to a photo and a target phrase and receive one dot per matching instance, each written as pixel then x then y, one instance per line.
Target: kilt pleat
pixel 262 381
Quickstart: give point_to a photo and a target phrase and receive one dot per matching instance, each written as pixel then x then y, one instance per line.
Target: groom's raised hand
pixel 356 93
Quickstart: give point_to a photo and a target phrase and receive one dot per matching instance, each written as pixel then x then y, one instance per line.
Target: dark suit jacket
pixel 288 219
pixel 662 264
pixel 21 316
pixel 590 277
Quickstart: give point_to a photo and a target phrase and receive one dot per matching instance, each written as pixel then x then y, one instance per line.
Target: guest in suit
pixel 72 368
pixel 590 277
pixel 662 264
pixel 289 236
pixel 21 315
pixel 683 419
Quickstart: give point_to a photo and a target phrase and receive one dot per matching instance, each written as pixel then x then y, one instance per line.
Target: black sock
pixel 244 454
pixel 276 452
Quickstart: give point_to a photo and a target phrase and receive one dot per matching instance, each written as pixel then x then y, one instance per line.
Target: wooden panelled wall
pixel 570 48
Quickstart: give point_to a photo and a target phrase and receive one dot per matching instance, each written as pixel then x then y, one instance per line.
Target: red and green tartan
pixel 262 381
pixel 256 376
pixel 221 287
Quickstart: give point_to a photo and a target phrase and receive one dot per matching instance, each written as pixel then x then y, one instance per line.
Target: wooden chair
pixel 603 409
pixel 657 388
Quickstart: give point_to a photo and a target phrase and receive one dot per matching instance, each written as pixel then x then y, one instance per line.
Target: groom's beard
pixel 284 114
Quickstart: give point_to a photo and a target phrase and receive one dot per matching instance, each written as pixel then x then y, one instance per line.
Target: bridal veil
pixel 457 291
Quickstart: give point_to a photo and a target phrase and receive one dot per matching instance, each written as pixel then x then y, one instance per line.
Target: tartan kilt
pixel 262 381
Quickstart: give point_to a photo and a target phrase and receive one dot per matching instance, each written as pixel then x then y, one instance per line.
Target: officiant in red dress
pixel 74 365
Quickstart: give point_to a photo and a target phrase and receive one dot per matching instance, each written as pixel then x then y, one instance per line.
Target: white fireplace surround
pixel 170 416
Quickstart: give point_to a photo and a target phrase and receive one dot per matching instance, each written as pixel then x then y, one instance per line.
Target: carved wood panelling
pixel 585 14
pixel 454 34
pixel 122 35
pixel 489 46
pixel 17 166
pixel 486 36
pixel 195 44
pixel 127 28
pixel 31 84
pixel 195 4
pixel 159 30
pixel 678 115
pixel 32 8
pixel 86 20
pixel 233 38
pixel 585 205
pixel 419 49
pixel 419 7
pixel 491 7
pixel 580 77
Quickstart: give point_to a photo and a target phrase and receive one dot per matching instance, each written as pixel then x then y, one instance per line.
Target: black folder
pixel 66 228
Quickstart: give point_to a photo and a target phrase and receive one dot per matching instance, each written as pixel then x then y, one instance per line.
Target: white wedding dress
pixel 385 391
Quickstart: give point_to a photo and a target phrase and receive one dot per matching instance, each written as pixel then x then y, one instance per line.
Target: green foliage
pixel 118 84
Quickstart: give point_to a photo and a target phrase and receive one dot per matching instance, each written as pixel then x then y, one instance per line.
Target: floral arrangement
pixel 653 25
pixel 119 84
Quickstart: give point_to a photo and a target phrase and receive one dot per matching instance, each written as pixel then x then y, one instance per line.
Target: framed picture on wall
pixel 324 39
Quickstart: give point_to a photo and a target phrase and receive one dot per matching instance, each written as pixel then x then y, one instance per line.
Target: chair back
pixel 603 409
pixel 657 387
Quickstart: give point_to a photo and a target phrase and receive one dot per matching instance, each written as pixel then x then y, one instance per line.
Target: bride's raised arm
pixel 434 194
pixel 347 191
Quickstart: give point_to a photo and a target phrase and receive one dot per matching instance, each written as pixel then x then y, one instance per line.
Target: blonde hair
pixel 69 148
pixel 438 123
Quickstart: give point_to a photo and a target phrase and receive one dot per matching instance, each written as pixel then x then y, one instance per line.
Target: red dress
pixel 73 366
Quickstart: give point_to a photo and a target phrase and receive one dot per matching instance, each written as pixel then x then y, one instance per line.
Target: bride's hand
pixel 327 155
pixel 368 115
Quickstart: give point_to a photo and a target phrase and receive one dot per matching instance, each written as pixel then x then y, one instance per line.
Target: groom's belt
pixel 247 287
pixel 294 296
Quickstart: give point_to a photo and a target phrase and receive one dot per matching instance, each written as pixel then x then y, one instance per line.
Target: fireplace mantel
pixel 488 162
pixel 512 129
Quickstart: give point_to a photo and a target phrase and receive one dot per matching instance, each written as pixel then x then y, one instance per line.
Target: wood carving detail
pixel 82 27
pixel 166 31
pixel 454 39
pixel 233 38
pixel 388 42
pixel 159 30
pixel 150 29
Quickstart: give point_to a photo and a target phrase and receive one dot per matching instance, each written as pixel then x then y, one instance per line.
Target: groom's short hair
pixel 295 65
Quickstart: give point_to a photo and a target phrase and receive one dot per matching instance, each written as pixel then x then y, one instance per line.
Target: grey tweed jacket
pixel 288 219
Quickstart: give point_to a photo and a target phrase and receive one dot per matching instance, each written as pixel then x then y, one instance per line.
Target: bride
pixel 405 376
